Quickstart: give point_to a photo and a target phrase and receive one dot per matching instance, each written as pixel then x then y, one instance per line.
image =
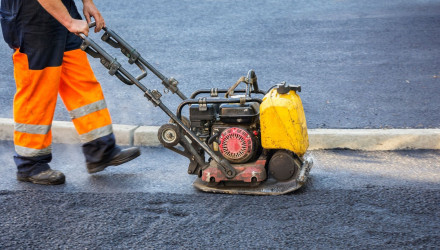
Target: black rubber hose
pixel 212 138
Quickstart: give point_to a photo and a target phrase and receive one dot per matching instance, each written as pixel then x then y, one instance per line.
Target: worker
pixel 47 62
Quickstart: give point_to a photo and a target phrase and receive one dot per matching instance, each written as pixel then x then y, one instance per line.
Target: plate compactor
pixel 238 140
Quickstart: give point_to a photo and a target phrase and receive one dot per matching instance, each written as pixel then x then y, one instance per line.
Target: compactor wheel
pixel 169 135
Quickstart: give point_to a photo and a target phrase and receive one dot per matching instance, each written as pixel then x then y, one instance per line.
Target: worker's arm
pixel 57 9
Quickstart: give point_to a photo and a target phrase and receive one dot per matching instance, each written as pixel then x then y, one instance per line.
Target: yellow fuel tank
pixel 283 123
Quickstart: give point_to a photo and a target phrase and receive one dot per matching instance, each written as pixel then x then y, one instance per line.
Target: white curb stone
pixel 374 139
pixel 64 132
pixel 6 129
pixel 124 134
pixel 355 139
pixel 146 136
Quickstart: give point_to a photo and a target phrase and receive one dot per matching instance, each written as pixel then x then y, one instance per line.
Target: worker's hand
pixel 78 26
pixel 90 11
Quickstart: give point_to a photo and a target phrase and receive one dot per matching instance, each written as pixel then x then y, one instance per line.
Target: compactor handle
pixel 252 78
pixel 114 40
pixel 250 81
pixel 126 49
pixel 91 25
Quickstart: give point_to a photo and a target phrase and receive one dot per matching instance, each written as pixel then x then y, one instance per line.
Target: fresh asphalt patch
pixel 369 217
pixel 353 199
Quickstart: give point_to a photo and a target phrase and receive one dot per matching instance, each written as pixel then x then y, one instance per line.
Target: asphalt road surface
pixel 362 64
pixel 353 200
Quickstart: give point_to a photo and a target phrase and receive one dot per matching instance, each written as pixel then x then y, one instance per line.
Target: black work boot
pixel 123 156
pixel 47 177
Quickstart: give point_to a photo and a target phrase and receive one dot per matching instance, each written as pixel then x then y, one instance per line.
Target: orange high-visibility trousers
pixel 47 62
pixel 36 97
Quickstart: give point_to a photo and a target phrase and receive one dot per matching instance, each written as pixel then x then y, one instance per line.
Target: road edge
pixel 354 139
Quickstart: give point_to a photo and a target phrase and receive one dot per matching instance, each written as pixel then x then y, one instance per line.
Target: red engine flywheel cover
pixel 236 145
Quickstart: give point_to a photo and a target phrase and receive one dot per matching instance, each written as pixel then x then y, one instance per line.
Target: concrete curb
pixel 355 139
pixel 374 139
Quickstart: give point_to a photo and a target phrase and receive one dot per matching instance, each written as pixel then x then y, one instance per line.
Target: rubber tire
pixel 169 135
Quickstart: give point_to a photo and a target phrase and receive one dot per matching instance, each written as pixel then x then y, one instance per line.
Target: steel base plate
pixel 268 187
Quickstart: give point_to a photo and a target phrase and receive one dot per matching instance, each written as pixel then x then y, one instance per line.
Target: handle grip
pixel 91 25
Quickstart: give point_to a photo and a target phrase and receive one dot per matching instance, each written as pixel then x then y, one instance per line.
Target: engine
pixel 231 130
